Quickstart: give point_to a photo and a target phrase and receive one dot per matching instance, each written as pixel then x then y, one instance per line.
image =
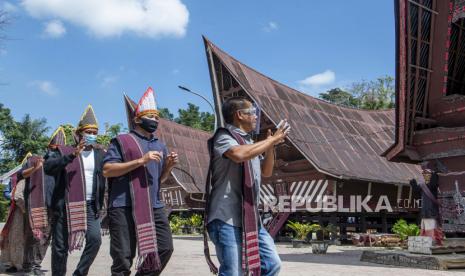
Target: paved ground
pixel 188 260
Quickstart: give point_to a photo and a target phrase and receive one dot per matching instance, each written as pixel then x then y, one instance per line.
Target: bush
pixel 301 229
pixel 330 231
pixel 179 224
pixel 176 224
pixel 4 205
pixel 404 230
pixel 196 221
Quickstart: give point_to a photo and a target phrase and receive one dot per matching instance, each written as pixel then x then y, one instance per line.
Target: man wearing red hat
pixel 135 165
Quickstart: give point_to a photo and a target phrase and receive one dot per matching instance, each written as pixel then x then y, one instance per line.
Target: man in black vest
pixel 78 197
pixel 38 200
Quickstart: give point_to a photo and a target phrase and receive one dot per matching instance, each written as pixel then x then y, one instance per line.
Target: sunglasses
pixel 248 111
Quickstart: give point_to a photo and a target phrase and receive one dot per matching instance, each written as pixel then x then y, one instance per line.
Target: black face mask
pixel 148 125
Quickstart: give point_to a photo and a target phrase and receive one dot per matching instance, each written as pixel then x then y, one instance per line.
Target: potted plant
pixel 301 231
pixel 176 224
pixel 405 230
pixel 323 237
pixel 315 231
pixel 186 226
pixel 330 232
pixel 195 222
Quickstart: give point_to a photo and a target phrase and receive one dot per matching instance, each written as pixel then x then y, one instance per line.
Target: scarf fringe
pixel 76 240
pixel 39 235
pixel 7 225
pixel 149 262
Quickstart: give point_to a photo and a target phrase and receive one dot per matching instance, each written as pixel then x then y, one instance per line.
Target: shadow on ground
pixel 339 256
pixel 188 238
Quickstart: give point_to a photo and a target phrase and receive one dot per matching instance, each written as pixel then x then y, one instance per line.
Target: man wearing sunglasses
pixel 78 196
pixel 242 244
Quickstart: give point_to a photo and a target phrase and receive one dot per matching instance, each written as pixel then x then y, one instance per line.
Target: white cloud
pixel 44 86
pixel 325 78
pixel 8 7
pixel 108 18
pixel 106 79
pixel 54 29
pixel 271 26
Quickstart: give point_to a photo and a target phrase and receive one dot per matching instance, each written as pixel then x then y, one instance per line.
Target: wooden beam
pixel 425 121
pixel 279 176
pixel 363 223
pixel 214 83
pixel 399 192
pixel 384 222
pixel 231 91
pixel 423 6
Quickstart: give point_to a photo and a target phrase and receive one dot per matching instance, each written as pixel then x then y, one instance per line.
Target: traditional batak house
pixel 331 150
pixel 430 90
pixel 185 189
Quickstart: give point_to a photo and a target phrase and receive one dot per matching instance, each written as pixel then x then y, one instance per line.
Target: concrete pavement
pixel 188 260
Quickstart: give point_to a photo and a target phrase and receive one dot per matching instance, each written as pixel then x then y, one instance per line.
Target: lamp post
pixel 205 99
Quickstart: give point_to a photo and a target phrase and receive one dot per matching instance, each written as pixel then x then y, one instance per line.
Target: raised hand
pixel 80 147
pixel 39 162
pixel 172 160
pixel 152 155
pixel 281 133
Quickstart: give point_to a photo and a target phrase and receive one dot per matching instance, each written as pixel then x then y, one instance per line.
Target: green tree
pixel 69 131
pixel 166 114
pixel 6 124
pixel 192 117
pixel 6 120
pixel 341 97
pixel 111 131
pixel 375 94
pixel 207 121
pixel 385 91
pixel 27 135
pixel 114 130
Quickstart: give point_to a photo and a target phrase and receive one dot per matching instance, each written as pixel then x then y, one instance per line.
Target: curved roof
pixel 342 142
pixel 191 146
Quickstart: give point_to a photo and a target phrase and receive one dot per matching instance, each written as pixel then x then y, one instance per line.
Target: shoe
pixel 38 272
pixel 34 272
pixel 11 269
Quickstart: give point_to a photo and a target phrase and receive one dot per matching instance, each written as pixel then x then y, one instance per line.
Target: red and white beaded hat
pixel 147 104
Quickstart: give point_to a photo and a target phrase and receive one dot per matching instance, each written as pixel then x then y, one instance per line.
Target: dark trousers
pixel 60 243
pixel 123 239
pixel 34 251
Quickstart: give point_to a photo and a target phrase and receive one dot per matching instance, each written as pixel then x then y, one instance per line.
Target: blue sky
pixel 64 54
